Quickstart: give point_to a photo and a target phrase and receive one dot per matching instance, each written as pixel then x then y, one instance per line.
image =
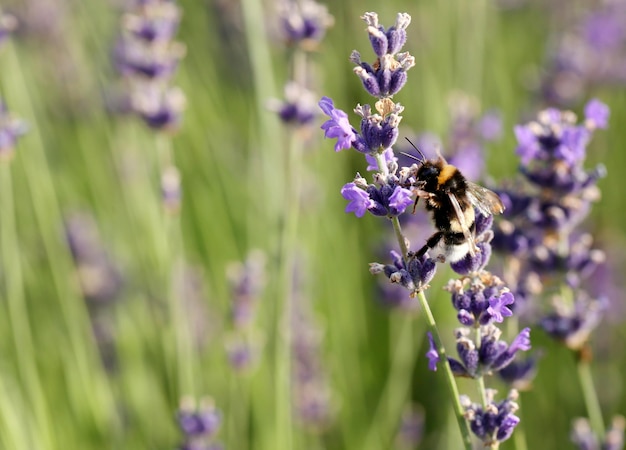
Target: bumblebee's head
pixel 428 175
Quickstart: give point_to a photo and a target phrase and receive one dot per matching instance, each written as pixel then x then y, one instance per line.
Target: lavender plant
pixel 147 57
pixel 247 282
pixel 585 439
pixel 587 55
pixel 100 280
pixel 199 424
pixel 548 254
pixel 313 403
pixel 481 299
pixel 411 430
pixel 300 392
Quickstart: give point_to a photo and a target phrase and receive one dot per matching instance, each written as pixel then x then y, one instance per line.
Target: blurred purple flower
pixel 585 438
pixel 147 57
pixel 411 429
pixel 199 424
pixel 573 324
pixel 11 128
pixel 298 107
pixel 157 21
pixel 8 23
pixel 304 23
pixel 598 113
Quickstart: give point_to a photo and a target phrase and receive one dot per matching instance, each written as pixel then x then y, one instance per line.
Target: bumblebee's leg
pixel 430 243
pixel 417 199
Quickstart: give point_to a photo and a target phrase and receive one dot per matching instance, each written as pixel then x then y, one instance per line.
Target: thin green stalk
pixel 482 391
pixel 447 371
pixel 87 370
pixel 397 385
pixel 18 312
pixel 590 396
pixel 519 436
pixel 471 26
pixel 512 329
pixel 262 73
pixel 481 379
pixel 173 264
pixel 238 420
pixel 288 250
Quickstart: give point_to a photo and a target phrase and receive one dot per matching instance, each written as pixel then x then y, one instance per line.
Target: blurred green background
pixel 82 373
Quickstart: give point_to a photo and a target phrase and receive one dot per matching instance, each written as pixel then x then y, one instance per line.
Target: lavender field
pixel 290 225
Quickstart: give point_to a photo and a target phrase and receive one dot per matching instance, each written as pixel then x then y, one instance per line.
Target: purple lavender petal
pixel 498 306
pixel 359 200
pixel 337 126
pixel 431 354
pixel 400 199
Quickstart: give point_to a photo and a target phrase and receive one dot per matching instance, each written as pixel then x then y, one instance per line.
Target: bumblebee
pixel 451 199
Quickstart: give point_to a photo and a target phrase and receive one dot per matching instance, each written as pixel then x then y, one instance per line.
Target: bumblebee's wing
pixel 467 233
pixel 485 200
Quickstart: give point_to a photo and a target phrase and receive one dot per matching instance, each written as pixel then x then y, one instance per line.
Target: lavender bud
pixel 495 422
pixel 299 106
pixel 304 23
pixel 432 354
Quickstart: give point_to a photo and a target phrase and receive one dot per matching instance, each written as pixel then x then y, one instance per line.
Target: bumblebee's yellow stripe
pixel 445 174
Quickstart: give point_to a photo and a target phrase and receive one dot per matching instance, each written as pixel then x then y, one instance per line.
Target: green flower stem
pixel 13 294
pixel 279 169
pixel 298 62
pixel 173 261
pixel 283 331
pixel 400 238
pixel 519 436
pixel 447 371
pixel 397 385
pixel 590 396
pixel 482 391
pixel 512 329
pixel 481 379
pixel 86 370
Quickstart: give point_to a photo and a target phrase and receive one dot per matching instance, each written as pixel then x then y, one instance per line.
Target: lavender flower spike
pixel 337 126
pixel 198 423
pixel 495 422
